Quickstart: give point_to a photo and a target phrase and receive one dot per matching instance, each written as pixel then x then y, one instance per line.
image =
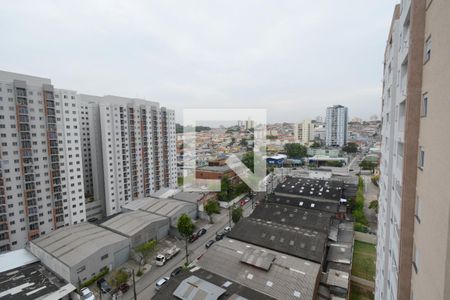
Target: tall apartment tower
pixel 130 149
pixel 41 179
pixel 336 126
pixel 413 250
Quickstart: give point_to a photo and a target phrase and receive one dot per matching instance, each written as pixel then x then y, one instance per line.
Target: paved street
pixel 145 286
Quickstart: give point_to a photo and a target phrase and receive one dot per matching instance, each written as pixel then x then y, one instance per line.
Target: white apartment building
pixel 41 179
pixel 132 142
pixel 336 126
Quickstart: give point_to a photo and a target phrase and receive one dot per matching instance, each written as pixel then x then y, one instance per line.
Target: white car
pixel 161 282
pixel 86 294
pixel 227 229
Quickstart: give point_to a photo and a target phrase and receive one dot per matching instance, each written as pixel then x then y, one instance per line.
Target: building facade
pixel 413 251
pixel 132 149
pixel 336 126
pixel 41 179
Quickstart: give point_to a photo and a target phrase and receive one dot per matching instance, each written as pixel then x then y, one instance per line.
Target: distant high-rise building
pixel 336 126
pixel 319 119
pixel 249 124
pixel 129 151
pixel 304 132
pixel 413 243
pixel 41 177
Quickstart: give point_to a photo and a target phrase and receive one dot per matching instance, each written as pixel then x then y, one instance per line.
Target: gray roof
pixel 313 188
pixel 132 222
pixel 74 243
pixel 162 207
pixel 194 288
pixel 32 281
pixel 293 216
pixel 337 278
pixel 301 242
pixel 288 277
pixel 234 290
pixel 192 197
pixel 340 253
pixel 258 258
pixel 304 202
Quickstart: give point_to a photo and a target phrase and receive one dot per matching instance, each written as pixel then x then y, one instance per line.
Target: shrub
pixel 361 228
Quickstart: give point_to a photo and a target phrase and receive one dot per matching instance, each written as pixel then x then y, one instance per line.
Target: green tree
pixel 295 150
pixel 120 277
pixel 350 148
pixel 374 205
pixel 368 165
pixel 146 249
pixel 212 207
pixel 316 144
pixel 226 189
pixel 185 229
pixel 248 159
pixel 236 214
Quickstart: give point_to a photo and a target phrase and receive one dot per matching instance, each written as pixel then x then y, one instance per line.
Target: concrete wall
pixel 154 231
pixel 51 262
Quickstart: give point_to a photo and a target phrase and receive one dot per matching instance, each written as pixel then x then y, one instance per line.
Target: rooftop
pixel 293 216
pixel 304 202
pixel 192 197
pixel 301 242
pixel 288 277
pixel 74 243
pixel 130 223
pixel 162 207
pixel 194 288
pixel 312 188
pixel 340 253
pixel 234 291
pixel 23 277
pixel 215 169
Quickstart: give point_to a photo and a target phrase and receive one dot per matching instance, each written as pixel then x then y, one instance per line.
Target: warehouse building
pixel 275 274
pixel 139 226
pixel 78 252
pixel 169 208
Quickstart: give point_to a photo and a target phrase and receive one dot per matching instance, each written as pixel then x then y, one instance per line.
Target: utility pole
pixel 134 287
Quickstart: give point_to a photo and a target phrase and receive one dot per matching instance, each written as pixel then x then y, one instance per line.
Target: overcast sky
pixel 294 58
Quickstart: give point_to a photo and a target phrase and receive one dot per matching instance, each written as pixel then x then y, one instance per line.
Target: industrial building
pixel 139 226
pixel 275 274
pixel 23 277
pixel 169 208
pixel 78 252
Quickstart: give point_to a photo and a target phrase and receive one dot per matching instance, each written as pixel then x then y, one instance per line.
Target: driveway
pixel 370 194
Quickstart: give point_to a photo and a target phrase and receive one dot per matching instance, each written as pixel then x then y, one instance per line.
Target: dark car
pixel 220 236
pixel 209 243
pixel 201 232
pixel 124 287
pixel 193 238
pixel 176 271
pixel 103 286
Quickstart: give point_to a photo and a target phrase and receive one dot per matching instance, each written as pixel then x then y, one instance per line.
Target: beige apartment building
pixel 413 250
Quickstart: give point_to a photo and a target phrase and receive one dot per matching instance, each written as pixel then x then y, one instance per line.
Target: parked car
pixel 161 282
pixel 86 294
pixel 103 286
pixel 193 238
pixel 227 229
pixel 209 243
pixel 124 287
pixel 220 236
pixel 176 271
pixel 201 232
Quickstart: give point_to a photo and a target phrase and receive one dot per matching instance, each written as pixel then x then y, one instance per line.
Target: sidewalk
pixel 370 194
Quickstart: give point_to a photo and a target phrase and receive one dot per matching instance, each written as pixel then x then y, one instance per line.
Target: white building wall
pixel 393 124
pixel 336 126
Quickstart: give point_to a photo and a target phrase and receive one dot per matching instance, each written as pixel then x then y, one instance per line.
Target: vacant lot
pixel 364 257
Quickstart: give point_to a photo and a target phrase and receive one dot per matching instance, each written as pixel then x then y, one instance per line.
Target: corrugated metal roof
pixel 194 288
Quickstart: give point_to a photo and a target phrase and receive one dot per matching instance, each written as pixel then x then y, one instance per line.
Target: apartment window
pixel 424 105
pixel 421 157
pixel 416 259
pixel 417 209
pixel 427 52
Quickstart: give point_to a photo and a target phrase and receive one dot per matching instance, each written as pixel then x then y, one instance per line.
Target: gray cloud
pixel 292 57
